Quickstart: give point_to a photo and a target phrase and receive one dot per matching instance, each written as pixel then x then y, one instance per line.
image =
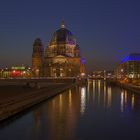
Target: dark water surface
pixel 93 112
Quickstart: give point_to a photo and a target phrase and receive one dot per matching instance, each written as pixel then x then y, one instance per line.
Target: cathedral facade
pixel 61 58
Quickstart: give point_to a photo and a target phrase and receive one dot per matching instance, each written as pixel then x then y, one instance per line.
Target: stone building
pixel 61 58
pixel 38 58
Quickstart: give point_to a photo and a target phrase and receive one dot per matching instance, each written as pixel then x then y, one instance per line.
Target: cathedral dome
pixel 63 36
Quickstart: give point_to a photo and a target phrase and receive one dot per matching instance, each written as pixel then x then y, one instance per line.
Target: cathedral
pixel 61 58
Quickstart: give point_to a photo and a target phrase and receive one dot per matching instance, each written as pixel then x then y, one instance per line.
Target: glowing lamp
pixel 82 74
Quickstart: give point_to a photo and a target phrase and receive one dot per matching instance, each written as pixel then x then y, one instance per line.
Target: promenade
pixel 16 97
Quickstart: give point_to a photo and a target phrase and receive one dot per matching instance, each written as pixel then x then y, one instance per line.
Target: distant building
pixel 61 58
pixel 129 67
pixel 16 72
pixel 98 74
pixel 102 74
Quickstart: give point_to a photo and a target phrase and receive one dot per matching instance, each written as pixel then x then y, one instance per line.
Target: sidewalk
pixel 14 99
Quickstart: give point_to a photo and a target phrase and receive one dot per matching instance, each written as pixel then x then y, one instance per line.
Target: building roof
pixel 131 57
pixel 37 42
pixel 37 45
pixel 63 36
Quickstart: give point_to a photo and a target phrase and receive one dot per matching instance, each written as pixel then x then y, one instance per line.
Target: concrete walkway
pixel 14 99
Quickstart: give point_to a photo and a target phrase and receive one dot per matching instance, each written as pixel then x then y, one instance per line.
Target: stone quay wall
pixel 130 87
pixel 16 98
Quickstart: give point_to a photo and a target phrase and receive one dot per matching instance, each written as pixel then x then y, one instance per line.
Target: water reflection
pixel 109 95
pixel 60 102
pixel 36 115
pixel 132 101
pixel 125 97
pixel 99 86
pixel 99 90
pixel 79 113
pixel 37 119
pixel 62 117
pixel 104 94
pixel 122 101
pixel 83 100
pixel 93 89
pixel 127 100
pixel 70 98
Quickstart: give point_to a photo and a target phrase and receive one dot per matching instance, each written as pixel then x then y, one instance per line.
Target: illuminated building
pixel 16 72
pixel 61 58
pixel 102 74
pixel 37 57
pixel 129 67
pixel 98 74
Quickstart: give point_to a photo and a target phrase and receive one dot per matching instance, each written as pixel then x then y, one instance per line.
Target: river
pixel 95 111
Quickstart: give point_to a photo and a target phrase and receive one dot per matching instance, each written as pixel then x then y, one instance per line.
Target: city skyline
pixel 106 32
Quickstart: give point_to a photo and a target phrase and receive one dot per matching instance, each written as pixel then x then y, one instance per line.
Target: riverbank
pixel 17 98
pixel 127 86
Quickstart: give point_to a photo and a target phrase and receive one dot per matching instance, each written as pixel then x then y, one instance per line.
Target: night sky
pixel 106 30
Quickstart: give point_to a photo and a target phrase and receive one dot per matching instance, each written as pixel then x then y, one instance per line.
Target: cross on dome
pixel 62 24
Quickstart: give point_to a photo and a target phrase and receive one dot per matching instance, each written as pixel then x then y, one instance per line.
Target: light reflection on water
pixel 96 111
pixel 99 91
pixel 133 101
pixel 122 101
pixel 70 98
pixel 109 95
pixel 83 99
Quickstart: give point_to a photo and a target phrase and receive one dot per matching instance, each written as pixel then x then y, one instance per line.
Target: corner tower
pixel 37 57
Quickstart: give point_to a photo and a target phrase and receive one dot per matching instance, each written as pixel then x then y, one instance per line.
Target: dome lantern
pixel 62 24
pixel 63 36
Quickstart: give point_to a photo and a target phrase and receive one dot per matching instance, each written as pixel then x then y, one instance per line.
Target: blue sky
pixel 106 30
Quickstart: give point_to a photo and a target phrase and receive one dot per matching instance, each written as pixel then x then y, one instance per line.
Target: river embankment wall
pixel 128 86
pixel 17 98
